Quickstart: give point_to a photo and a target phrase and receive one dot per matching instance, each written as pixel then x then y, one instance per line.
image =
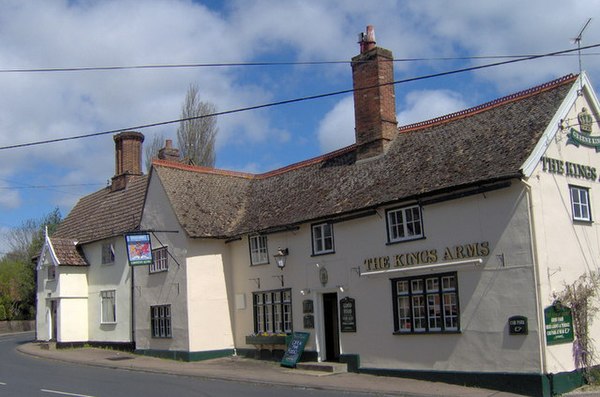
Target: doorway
pixel 53 320
pixel 331 326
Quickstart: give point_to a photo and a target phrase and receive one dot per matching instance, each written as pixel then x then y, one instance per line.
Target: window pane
pixel 108 306
pixel 418 303
pixel 450 311
pixel 434 312
pixel 273 311
pixel 404 318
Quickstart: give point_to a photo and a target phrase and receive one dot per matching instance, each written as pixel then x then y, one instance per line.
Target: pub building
pixel 433 250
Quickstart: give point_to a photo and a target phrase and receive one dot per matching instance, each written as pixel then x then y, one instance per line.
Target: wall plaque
pixel 517 325
pixel 559 324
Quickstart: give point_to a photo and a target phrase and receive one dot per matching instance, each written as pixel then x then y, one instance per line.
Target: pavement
pixel 239 369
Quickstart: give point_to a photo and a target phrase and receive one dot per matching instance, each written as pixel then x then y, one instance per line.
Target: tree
pixel 17 269
pixel 197 131
pixel 152 149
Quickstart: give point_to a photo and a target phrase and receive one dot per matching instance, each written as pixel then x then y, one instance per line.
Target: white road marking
pixel 62 393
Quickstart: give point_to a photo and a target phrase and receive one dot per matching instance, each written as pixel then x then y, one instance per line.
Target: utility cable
pixel 301 99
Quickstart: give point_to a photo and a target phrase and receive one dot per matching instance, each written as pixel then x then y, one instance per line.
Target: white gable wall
pixel 566 249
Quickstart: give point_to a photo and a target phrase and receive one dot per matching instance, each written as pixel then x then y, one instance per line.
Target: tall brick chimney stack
pixel 128 158
pixel 374 97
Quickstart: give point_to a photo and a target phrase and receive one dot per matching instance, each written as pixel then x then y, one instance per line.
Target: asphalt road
pixel 24 376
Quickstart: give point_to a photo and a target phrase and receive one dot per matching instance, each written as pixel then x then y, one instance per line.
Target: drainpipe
pixel 534 253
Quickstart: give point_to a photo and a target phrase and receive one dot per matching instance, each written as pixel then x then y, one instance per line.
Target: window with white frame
pixel 580 204
pixel 160 321
pixel 322 238
pixel 273 311
pixel 108 307
pixel 404 224
pixel 160 260
pixel 259 254
pixel 108 253
pixel 426 304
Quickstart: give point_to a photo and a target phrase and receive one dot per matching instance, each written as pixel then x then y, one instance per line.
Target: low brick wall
pixel 16 326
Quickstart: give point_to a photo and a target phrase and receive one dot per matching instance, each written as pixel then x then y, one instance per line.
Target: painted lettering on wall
pixel 567 168
pixel 426 257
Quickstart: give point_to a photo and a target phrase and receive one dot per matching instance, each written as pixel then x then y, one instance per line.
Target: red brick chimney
pixel 169 153
pixel 374 97
pixel 128 158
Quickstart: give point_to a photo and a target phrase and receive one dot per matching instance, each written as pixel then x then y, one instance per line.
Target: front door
pixel 331 326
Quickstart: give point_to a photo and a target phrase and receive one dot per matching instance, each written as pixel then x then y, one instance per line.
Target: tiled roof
pixel 487 143
pixel 105 214
pixel 67 252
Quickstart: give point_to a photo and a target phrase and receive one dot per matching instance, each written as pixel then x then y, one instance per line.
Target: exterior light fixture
pixel 305 291
pixel 280 257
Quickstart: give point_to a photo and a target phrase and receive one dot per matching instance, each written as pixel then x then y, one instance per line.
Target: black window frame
pixel 160 323
pixel 443 329
pixel 268 312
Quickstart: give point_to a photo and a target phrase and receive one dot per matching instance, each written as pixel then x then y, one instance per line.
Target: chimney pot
pixel 169 153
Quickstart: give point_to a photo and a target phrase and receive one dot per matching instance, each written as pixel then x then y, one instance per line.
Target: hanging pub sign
pixel 347 315
pixel 559 324
pixel 139 249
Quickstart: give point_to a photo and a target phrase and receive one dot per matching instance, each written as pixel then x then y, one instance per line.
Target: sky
pixel 311 43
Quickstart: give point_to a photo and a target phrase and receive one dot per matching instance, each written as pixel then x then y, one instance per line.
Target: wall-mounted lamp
pixel 305 291
pixel 280 257
pixel 342 288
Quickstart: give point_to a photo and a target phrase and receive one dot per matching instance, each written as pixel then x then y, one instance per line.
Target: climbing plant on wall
pixel 581 296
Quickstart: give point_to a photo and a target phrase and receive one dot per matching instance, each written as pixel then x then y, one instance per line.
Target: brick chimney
pixel 374 97
pixel 128 158
pixel 169 153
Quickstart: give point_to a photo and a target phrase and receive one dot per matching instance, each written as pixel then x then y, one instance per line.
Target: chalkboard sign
pixel 295 349
pixel 347 315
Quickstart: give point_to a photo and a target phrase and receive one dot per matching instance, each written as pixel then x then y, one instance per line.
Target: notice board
pixel 295 349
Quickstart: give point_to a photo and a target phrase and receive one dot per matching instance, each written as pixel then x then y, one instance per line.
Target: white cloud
pixel 428 104
pixel 336 130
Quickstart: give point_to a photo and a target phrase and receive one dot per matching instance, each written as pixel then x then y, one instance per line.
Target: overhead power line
pixel 301 99
pixel 242 64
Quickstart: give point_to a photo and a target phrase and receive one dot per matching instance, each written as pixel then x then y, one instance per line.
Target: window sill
pixel 323 253
pixel 158 271
pixel 258 264
pixel 108 323
pixel 405 240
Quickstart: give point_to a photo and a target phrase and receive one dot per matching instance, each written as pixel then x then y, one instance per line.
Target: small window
pixel 322 237
pixel 160 321
pixel 426 304
pixel 404 224
pixel 259 254
pixel 108 253
pixel 109 307
pixel 580 204
pixel 51 272
pixel 160 260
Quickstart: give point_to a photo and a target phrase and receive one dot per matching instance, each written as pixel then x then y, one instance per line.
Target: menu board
pixel 347 315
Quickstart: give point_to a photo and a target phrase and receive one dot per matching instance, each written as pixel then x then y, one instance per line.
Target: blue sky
pixel 54 34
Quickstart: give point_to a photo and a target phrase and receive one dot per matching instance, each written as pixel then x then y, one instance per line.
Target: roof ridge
pixel 248 175
pixel 491 104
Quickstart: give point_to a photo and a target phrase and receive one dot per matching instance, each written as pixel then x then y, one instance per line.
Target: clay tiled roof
pixel 105 214
pixel 480 145
pixel 67 252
